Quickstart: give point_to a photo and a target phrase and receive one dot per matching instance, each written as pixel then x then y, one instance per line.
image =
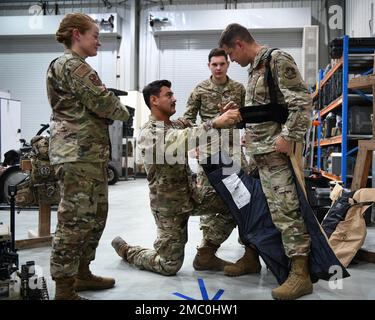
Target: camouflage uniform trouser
pixel 169 246
pixel 81 216
pixel 279 188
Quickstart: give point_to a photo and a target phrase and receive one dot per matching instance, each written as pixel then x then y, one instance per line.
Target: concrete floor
pixel 130 218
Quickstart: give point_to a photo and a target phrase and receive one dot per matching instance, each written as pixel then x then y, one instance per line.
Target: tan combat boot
pixel 85 280
pixel 206 259
pixel 249 263
pixel 65 289
pixel 298 283
pixel 121 247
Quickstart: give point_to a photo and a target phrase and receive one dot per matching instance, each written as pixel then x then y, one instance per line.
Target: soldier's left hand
pixel 227 119
pixel 229 105
pixel 283 145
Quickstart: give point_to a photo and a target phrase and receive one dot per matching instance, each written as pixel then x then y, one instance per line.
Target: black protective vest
pixel 267 112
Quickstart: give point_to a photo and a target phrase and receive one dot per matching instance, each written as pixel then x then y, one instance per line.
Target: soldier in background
pixel 271 145
pixel 172 198
pixel 82 108
pixel 206 99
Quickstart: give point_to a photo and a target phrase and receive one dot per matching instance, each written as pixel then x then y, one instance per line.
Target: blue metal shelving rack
pixel 319 133
pixel 344 113
pixel 347 50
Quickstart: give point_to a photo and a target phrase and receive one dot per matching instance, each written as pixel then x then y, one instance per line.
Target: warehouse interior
pixel 332 43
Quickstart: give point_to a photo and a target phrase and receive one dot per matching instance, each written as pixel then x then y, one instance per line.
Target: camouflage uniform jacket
pixel 291 91
pixel 169 181
pixel 207 96
pixel 81 110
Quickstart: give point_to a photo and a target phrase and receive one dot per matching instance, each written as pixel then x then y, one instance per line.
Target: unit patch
pixel 290 73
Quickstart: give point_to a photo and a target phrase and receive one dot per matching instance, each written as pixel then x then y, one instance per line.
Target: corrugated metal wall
pixel 315 5
pixel 217 4
pixel 89 6
pixel 8 8
pixel 358 15
pixel 318 11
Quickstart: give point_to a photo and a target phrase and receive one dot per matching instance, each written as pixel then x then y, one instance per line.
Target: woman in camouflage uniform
pixel 82 108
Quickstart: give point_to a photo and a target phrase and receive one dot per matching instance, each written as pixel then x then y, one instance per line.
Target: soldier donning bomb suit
pixel 79 149
pixel 274 172
pixel 270 143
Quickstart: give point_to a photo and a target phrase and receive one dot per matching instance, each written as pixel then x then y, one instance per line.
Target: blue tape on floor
pixel 182 296
pixel 204 293
pixel 202 287
pixel 218 294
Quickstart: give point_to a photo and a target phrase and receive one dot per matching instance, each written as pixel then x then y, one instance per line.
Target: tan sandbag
pixel 364 195
pixel 336 192
pixel 350 234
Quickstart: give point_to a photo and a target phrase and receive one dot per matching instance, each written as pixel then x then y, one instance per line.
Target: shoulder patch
pixel 95 80
pixel 290 73
pixel 82 70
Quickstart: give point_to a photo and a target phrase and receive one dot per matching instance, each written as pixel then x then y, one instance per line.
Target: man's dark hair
pixel 217 52
pixel 153 89
pixel 233 32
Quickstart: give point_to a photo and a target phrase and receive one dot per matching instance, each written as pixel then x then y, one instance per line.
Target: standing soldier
pixel 82 108
pixel 171 192
pixel 271 144
pixel 207 99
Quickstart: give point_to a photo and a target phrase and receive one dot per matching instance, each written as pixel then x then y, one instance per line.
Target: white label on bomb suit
pixel 241 196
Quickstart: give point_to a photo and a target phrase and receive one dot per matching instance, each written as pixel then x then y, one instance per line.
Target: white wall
pixel 24 63
pixel 183 59
pixel 10 123
pixel 178 52
pixel 358 15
